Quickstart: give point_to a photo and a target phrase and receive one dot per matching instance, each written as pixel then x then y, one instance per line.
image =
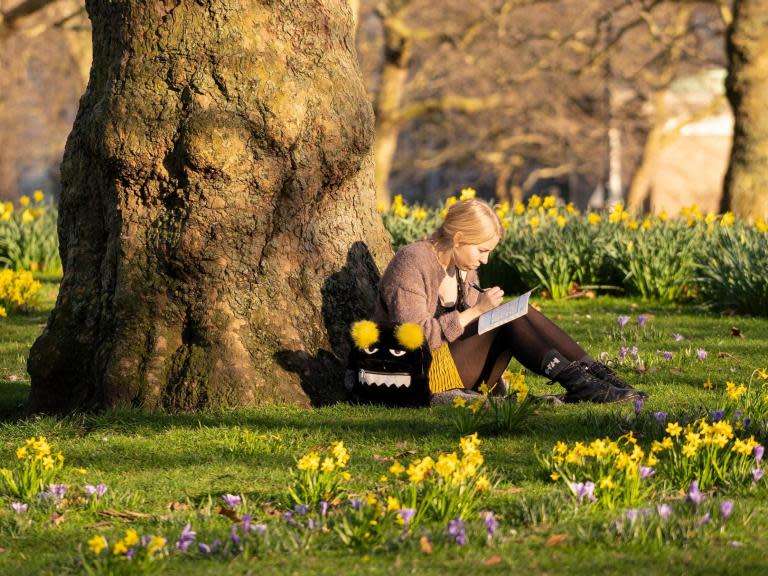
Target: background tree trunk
pixel 217 222
pixel 746 182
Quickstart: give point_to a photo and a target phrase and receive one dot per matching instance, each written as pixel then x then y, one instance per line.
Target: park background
pixel 603 127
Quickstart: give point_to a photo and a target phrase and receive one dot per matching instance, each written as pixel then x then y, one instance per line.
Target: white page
pixel 504 313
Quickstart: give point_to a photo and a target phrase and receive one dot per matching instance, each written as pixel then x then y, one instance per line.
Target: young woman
pixel 434 283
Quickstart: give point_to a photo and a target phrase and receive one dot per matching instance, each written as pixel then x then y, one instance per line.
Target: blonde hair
pixel 474 218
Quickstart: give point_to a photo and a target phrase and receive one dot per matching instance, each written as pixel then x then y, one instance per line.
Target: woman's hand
pixel 489 299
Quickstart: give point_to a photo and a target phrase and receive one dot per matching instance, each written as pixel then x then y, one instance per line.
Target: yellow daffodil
pixel 459 402
pixel 534 201
pixel 593 218
pixel 24 200
pixel 482 483
pixel 396 469
pixel 310 461
pixel 419 214
pixel 156 543
pixel 467 193
pixel 119 548
pixel 97 544
pixel 519 208
pixel 38 196
pixel 131 537
pixel 674 429
pixel 554 476
pixel 328 465
pixel 393 504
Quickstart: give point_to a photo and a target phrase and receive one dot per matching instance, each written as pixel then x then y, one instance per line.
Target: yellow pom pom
pixel 410 336
pixel 365 333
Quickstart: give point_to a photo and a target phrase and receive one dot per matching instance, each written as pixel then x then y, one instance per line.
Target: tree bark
pixel 217 223
pixel 746 181
pixel 398 48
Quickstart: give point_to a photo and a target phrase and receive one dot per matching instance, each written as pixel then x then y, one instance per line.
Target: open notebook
pixel 504 313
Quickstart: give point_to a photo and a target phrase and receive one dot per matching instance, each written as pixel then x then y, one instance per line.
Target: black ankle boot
pixel 581 386
pixel 605 373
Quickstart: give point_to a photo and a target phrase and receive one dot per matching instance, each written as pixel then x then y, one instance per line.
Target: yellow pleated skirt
pixel 443 374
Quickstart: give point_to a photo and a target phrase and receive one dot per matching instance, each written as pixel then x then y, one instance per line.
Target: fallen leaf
pixel 425 545
pixel 124 514
pixel 57 519
pixel 270 510
pixel 2 550
pixel 229 513
pixel 724 355
pixel 405 453
pixel 556 539
pixel 176 506
pixel 493 560
pixel 736 333
pixel 379 458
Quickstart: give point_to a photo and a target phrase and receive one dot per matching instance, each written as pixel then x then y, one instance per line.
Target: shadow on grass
pixel 12 397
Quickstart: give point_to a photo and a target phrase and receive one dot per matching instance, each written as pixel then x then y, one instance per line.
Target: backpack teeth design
pixel 385 379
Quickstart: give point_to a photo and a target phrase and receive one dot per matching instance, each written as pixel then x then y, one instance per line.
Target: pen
pixel 477 287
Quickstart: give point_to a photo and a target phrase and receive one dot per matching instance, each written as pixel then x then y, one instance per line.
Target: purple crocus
pixel 726 507
pixel 646 471
pixel 583 490
pixel 231 500
pixel 758 453
pixel 259 529
pixel 247 519
pixel 356 504
pixel 694 494
pixel 661 417
pixel 701 354
pixel 56 492
pixel 633 350
pixel 98 491
pixel 204 548
pixel 638 404
pixel 737 415
pixel 747 421
pixel 311 524
pixel 678 337
pixel 186 538
pixel 19 507
pixel 288 517
pixel 457 530
pixel 490 521
pixel 716 415
pixel 622 321
pixel 704 519
pixel 234 536
pixel 130 553
pixel 664 511
pixel 667 355
pixel 407 515
pixel 623 351
pixel 641 320
pixel 323 508
pixel 632 515
pixel 757 474
pixel 301 509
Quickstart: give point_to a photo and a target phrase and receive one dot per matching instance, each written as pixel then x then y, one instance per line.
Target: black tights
pixel 484 357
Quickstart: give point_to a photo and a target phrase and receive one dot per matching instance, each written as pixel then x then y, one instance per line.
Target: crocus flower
pixel 204 548
pixel 301 509
pixel 247 518
pixel 231 500
pixel 19 508
pixel 623 351
pixel 288 517
pixel 259 528
pixel 489 519
pixel 234 536
pixel 632 514
pixel 646 471
pixel 737 415
pixel 457 530
pixel 704 519
pixel 355 503
pixel 97 491
pixel 638 404
pixel 323 507
pixel 661 417
pixel 55 492
pixel 664 511
pixel 407 515
pixel 583 490
pixel 185 540
pixel 716 415
pixel 633 350
pixel 701 354
pixel 667 355
pixel 757 474
pixel 311 524
pixel 747 422
pixel 641 320
pixel 622 321
pixel 758 453
pixel 726 507
pixel 678 337
pixel 694 494
pixel 130 553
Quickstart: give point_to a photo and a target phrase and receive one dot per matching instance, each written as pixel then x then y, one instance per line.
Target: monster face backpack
pixel 388 364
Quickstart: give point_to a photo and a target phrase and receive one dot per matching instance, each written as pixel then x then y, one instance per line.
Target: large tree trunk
pixel 218 228
pixel 746 182
pixel 398 49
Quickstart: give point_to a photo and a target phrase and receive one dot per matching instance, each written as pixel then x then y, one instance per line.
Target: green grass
pixel 151 461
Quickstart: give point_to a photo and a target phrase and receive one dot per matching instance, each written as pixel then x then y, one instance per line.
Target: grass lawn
pixel 164 471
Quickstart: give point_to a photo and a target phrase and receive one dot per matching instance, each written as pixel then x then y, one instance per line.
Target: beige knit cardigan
pixel 408 292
